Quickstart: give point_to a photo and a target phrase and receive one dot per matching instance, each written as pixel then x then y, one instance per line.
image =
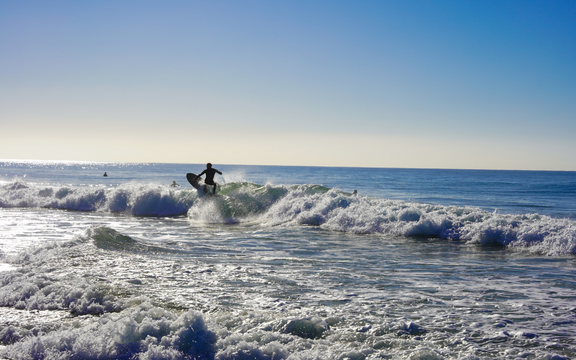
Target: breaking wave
pixel 132 198
pixel 309 205
pixel 337 211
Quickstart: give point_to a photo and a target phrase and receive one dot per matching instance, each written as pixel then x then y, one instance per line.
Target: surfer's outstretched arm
pixel 202 173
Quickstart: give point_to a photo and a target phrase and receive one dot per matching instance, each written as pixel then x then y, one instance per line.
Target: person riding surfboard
pixel 210 172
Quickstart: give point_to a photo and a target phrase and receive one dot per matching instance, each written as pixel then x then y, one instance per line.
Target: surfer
pixel 210 172
pixel 174 184
pixel 105 175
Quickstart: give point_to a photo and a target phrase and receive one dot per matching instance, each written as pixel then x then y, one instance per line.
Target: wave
pixel 118 322
pixel 309 205
pixel 132 198
pixel 338 211
pixel 145 332
pixel 39 285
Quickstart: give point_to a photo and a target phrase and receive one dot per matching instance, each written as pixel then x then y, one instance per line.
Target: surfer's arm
pixel 218 172
pixel 202 173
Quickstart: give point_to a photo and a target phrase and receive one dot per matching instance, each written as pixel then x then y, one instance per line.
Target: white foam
pixel 273 205
pixel 148 331
pixel 338 212
pixel 132 198
pixel 84 275
pixel 6 267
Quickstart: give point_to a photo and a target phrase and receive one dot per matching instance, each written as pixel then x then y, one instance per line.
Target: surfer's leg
pixel 214 191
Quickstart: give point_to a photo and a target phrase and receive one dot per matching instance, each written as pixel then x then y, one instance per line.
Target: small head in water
pixel 209 165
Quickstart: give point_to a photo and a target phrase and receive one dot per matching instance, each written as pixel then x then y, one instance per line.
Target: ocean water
pixel 285 263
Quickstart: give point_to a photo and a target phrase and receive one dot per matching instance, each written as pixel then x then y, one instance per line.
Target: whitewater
pixel 285 263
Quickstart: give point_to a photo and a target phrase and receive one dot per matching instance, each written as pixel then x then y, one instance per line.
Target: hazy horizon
pixel 396 84
pixel 59 161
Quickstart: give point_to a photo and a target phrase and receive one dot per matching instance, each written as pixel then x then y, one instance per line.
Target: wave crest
pixel 310 205
pixel 132 198
pixel 338 211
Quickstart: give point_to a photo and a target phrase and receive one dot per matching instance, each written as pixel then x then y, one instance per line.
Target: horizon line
pixel 278 165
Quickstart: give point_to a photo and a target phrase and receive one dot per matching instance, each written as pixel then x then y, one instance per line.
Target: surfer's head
pixel 208 165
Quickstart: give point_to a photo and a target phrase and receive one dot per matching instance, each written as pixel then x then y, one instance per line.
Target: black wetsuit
pixel 210 172
pixel 209 175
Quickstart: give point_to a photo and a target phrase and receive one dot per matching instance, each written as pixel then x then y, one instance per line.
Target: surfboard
pixel 198 184
pixel 191 177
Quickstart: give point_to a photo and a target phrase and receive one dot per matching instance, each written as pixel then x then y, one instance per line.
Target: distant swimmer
pixel 174 184
pixel 105 175
pixel 355 192
pixel 210 172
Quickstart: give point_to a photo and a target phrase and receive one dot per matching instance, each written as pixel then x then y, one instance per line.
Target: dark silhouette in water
pixel 210 172
pixel 174 184
pixel 105 175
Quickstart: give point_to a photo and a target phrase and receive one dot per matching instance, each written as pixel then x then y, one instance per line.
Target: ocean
pixel 285 263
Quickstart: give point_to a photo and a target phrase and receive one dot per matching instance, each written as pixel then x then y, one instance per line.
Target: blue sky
pixel 427 84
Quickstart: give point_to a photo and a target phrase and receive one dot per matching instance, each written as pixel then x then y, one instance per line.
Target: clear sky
pixel 425 84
